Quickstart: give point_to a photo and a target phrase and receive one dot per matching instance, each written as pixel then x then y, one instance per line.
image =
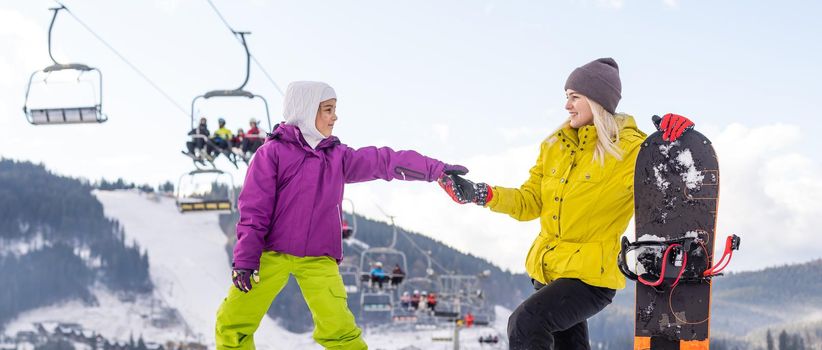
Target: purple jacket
pixel 291 199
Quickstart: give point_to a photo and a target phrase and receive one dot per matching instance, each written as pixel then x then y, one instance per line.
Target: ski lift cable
pixel 437 263
pixel 253 58
pixel 126 61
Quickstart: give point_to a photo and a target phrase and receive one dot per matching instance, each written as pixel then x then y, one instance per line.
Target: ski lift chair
pixel 446 310
pixel 209 203
pixel 238 92
pixel 482 319
pixel 376 307
pixel 349 275
pixel 371 255
pixel 45 113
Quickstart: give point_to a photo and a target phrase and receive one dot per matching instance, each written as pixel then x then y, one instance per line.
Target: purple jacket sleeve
pixel 372 163
pixel 256 205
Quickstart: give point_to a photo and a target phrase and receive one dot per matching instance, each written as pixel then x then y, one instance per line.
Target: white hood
pixel 302 100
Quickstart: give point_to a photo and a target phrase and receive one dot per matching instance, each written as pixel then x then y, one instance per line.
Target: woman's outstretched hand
pixel 672 125
pixel 462 190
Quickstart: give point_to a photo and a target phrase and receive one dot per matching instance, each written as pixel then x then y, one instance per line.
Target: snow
pixel 190 271
pixel 661 183
pixel 692 177
pixel 18 247
pixel 113 318
pixel 665 149
pixel 656 250
pixel 647 237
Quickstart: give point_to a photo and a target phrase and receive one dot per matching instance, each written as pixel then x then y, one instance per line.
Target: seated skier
pixel 397 275
pixel 378 276
pixel 253 138
pixel 196 146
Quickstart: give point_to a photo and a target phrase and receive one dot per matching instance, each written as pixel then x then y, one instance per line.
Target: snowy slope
pixel 188 262
pixel 190 271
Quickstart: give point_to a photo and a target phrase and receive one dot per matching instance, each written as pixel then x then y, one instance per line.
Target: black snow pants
pixel 554 317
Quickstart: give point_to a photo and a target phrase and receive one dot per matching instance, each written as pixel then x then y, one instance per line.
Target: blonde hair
pixel 607 126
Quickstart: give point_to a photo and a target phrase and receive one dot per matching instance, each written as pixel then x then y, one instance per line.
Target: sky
pixel 477 83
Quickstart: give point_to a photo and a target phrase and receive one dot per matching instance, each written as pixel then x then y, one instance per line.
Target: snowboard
pixel 676 192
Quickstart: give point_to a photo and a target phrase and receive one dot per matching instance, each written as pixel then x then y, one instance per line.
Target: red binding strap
pixel 664 264
pixel 722 263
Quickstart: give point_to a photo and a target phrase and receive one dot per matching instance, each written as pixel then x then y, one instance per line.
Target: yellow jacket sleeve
pixel 523 203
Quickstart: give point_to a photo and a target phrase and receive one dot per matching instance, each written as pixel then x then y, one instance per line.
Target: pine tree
pixel 769 339
pixel 141 345
pixel 784 341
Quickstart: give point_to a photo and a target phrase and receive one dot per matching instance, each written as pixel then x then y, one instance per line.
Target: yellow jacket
pixel 583 207
pixel 224 133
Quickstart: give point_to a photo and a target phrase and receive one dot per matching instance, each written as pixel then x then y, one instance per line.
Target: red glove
pixel 672 126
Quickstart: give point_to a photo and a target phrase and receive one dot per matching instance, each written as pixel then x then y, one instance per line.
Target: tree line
pixel 58 244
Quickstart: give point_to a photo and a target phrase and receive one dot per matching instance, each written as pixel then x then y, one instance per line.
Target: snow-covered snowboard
pixel 676 190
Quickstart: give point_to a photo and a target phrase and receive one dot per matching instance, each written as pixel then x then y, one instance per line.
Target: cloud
pixel 522 133
pixel 169 6
pixel 671 3
pixel 489 8
pixel 614 4
pixel 442 131
pixel 770 195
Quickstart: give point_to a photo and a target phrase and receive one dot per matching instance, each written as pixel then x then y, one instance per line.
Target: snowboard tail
pixel 647 343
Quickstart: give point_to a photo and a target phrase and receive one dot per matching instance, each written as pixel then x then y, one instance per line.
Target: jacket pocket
pixel 592 174
pixel 406 173
pixel 586 261
pixel 556 261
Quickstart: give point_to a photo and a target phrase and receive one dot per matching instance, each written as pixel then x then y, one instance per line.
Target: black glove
pixel 242 278
pixel 462 190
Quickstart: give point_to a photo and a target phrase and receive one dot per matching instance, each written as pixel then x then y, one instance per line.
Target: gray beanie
pixel 599 81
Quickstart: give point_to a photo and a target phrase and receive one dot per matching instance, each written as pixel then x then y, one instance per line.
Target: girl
pixel 581 189
pixel 291 222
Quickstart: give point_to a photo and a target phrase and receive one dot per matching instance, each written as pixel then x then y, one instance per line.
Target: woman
pixel 291 221
pixel 581 189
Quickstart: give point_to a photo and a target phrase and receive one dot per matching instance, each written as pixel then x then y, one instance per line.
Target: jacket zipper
pixel 408 173
pixel 339 216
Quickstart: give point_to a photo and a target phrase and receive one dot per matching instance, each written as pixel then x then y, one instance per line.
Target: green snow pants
pixel 324 292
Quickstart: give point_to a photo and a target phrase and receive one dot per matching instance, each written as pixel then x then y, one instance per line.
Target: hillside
pixel 56 244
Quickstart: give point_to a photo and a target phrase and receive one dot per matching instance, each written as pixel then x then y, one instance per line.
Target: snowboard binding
pixel 670 262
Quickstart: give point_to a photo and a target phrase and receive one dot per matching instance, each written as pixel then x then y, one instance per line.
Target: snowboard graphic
pixel 676 191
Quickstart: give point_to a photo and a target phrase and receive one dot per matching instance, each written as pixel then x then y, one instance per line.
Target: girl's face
pixel 579 109
pixel 326 117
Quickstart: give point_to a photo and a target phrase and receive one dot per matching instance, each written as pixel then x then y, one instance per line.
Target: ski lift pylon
pixel 46 113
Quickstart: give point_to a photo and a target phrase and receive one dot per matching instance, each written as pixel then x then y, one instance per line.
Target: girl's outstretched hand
pixel 454 169
pixel 462 190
